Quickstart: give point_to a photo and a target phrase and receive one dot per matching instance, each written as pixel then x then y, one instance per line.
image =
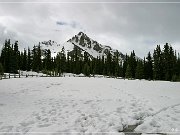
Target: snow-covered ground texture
pixel 72 105
pixel 31 73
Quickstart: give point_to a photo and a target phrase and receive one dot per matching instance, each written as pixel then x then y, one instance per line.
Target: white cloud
pixel 126 27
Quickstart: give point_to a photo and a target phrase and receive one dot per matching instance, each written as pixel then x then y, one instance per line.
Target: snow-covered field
pixel 88 105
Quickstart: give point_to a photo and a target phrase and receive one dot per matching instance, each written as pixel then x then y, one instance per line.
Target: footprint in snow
pixel 74 105
pixel 25 124
pixel 119 109
pixel 45 120
pixel 6 128
pixel 44 125
pixel 79 111
pixel 87 102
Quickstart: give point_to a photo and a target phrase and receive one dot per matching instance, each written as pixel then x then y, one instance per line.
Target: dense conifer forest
pixel 163 64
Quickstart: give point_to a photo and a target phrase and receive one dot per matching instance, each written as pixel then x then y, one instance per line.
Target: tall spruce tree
pixel 47 60
pixel 5 56
pixel 139 70
pixel 24 60
pixel 125 65
pixel 128 72
pixel 17 55
pixel 132 64
pixel 1 69
pixel 165 61
pixel 86 70
pixel 63 60
pixel 39 61
pixel 158 66
pixel 58 64
pixel 149 67
pixel 34 58
pixel 29 60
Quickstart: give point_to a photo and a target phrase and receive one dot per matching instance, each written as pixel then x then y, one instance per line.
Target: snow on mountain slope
pixel 83 43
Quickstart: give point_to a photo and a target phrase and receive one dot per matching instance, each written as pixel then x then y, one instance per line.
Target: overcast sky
pixel 123 26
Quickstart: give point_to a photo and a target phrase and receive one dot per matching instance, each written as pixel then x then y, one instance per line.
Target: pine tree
pixel 139 70
pixel 125 66
pixel 24 62
pixel 109 64
pixel 34 58
pixel 172 63
pixel 5 56
pixel 21 61
pixel 132 63
pixel 178 67
pixel 63 60
pixel 39 62
pixel 1 69
pixel 47 60
pixel 36 61
pixel 102 67
pixel 12 60
pixel 149 67
pixel 86 70
pixel 165 61
pixel 158 66
pixel 128 72
pixel 178 64
pixel 29 61
pixel 58 64
pixel 17 55
pixel 68 64
pixel 76 62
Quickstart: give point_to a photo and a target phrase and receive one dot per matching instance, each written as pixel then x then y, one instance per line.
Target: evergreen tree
pixel 158 66
pixel 39 62
pixel 139 70
pixel 34 58
pixel 132 63
pixel 178 67
pixel 102 67
pixel 17 55
pixel 21 61
pixel 125 66
pixel 6 56
pixel 12 61
pixel 165 61
pixel 149 67
pixel 86 70
pixel 29 61
pixel 63 60
pixel 68 64
pixel 58 64
pixel 1 69
pixel 76 62
pixel 172 62
pixel 128 72
pixel 47 60
pixel 109 64
pixel 24 60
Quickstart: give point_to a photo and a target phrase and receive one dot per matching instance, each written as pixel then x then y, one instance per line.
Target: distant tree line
pixel 162 65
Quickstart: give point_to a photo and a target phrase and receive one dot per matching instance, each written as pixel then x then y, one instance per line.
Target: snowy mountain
pixel 83 43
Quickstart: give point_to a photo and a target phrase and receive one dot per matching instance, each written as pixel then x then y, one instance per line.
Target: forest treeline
pixel 163 64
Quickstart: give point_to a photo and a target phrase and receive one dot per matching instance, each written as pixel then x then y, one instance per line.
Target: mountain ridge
pixel 84 44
